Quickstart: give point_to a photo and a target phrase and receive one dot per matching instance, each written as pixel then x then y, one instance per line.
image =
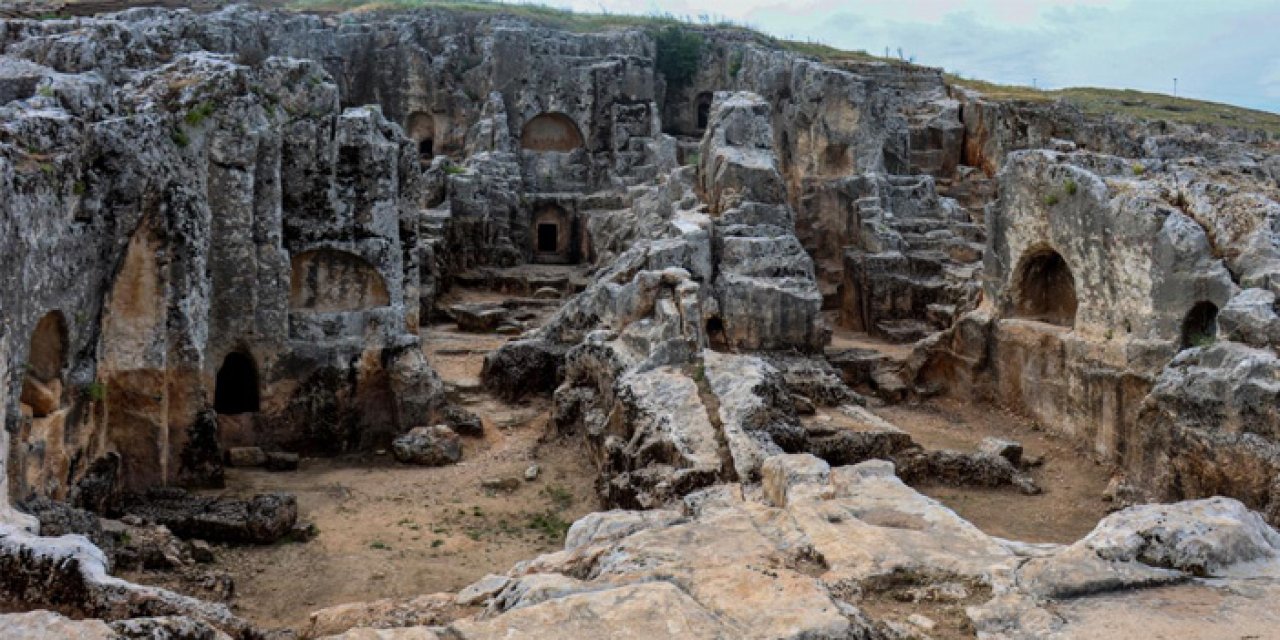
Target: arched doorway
pixel 551 132
pixel 47 357
pixel 1200 326
pixel 1045 290
pixel 703 105
pixel 236 388
pixel 421 128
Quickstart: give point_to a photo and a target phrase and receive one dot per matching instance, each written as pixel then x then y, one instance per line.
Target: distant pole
pixel 1175 87
pixel 1033 84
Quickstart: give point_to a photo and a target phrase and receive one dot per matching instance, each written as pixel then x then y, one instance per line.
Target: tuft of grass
pixel 453 169
pixel 1070 187
pixel 550 525
pixel 95 391
pixel 199 114
pixel 180 138
pixel 79 188
pixel 1051 199
pixel 45 91
pixel 380 545
pixel 560 497
pixel 437 543
pixel 735 64
pixel 1138 169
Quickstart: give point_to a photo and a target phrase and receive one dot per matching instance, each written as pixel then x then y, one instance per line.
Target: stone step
pixel 905 331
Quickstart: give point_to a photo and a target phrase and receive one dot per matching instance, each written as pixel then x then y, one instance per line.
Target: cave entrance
pixel 548 232
pixel 1045 290
pixel 554 237
pixel 703 110
pixel 1200 326
pixel 716 337
pixel 421 128
pixel 47 357
pixel 236 388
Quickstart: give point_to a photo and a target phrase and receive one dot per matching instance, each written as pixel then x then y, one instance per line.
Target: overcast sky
pixel 1221 50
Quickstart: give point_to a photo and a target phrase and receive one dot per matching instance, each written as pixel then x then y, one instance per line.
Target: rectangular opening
pixel 548 234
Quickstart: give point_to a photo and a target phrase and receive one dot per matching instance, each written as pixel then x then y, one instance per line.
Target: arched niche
pixel 46 358
pixel 551 132
pixel 235 390
pixel 553 237
pixel 702 106
pixel 421 128
pixel 334 280
pixel 1044 289
pixel 1200 325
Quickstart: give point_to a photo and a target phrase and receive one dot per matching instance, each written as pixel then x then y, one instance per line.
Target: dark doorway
pixel 548 237
pixel 426 149
pixel 704 110
pixel 1046 290
pixel 236 390
pixel 1200 327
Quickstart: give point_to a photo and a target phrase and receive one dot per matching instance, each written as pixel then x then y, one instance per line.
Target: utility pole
pixel 1175 87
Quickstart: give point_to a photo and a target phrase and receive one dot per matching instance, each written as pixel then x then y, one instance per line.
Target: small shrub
pixel 181 138
pixel 1051 199
pixel 437 543
pixel 453 169
pixel 735 64
pixel 1070 187
pixel 1138 169
pixel 45 91
pixel 380 545
pixel 47 168
pixel 79 188
pixel 679 51
pixel 197 115
pixel 550 525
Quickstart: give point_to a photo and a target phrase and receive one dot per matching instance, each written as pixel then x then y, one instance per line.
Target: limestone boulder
pixel 432 446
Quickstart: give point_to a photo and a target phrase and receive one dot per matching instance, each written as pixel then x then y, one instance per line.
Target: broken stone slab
pixel 246 457
pixel 1007 449
pixel 501 485
pixel 478 317
pixel 463 422
pixel 282 461
pixel 262 519
pixel 781 473
pixel 432 446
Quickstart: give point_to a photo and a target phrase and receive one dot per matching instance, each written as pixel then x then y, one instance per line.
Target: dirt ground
pixel 393 530
pixel 1071 503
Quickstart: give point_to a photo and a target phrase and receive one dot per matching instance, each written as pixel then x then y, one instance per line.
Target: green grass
pixel 1091 100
